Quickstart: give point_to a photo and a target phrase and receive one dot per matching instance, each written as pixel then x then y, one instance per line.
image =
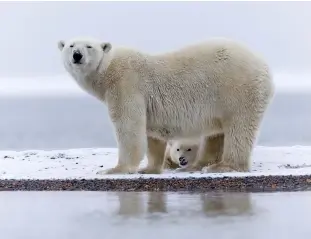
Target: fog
pixel 30 30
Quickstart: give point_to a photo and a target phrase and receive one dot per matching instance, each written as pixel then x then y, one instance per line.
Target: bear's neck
pixel 89 83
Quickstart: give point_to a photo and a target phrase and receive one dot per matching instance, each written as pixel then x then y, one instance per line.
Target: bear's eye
pixel 177 149
pixel 71 45
pixel 88 46
pixel 188 149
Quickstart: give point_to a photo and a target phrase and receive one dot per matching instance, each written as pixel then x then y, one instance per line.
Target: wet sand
pixel 202 184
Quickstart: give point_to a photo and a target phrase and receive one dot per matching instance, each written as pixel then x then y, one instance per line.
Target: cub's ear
pixel 61 45
pixel 106 46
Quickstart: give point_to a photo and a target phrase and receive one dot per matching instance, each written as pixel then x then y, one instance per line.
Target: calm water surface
pixel 116 215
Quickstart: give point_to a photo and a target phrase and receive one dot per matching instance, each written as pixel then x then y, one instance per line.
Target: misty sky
pixel 29 31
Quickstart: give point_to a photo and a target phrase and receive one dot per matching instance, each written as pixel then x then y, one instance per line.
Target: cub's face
pixel 185 154
pixel 82 56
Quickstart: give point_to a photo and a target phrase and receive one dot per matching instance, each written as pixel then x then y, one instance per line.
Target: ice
pixel 85 163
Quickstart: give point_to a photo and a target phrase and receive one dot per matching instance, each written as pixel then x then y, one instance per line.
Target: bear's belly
pixel 169 133
pixel 178 131
pixel 164 133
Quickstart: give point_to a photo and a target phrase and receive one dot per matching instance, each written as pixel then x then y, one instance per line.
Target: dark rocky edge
pixel 202 184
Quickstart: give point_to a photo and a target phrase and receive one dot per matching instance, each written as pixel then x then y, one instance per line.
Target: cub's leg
pixel 170 164
pixel 155 155
pixel 168 161
pixel 211 151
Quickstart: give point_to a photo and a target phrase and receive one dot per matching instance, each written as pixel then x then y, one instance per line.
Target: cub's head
pixel 184 153
pixel 83 55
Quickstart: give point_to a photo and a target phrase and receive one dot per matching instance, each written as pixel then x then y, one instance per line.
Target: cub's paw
pixel 170 164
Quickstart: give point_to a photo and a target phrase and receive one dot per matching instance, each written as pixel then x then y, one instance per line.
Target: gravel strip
pixel 245 184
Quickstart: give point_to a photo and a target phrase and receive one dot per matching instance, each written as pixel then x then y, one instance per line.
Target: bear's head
pixel 184 153
pixel 83 55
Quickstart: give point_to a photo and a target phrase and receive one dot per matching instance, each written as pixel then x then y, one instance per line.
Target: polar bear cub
pixel 218 90
pixel 180 153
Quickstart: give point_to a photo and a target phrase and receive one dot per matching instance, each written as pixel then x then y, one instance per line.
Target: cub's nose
pixel 77 56
pixel 181 159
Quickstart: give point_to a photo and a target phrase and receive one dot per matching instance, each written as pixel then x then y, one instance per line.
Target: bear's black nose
pixel 182 161
pixel 77 56
pixel 181 158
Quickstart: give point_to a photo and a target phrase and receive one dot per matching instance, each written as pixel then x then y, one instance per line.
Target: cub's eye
pixel 177 149
pixel 71 45
pixel 88 46
pixel 188 149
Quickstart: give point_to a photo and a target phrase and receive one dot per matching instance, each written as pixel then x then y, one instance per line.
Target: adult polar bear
pixel 218 90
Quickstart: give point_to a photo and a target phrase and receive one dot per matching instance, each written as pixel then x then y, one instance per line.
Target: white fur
pixel 218 90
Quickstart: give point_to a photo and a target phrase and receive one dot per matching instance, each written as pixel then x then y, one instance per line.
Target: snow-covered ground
pixel 84 163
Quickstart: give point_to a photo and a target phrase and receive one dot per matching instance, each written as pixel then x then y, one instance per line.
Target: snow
pixel 85 163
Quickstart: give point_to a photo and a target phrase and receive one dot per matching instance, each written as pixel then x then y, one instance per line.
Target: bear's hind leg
pixel 155 155
pixel 239 141
pixel 212 151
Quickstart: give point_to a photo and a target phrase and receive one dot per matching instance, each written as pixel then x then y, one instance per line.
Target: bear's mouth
pixel 183 162
pixel 77 62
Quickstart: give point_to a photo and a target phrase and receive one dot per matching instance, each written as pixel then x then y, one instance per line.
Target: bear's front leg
pixel 132 142
pixel 155 155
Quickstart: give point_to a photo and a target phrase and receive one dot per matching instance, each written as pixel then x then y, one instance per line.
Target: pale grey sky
pixel 30 30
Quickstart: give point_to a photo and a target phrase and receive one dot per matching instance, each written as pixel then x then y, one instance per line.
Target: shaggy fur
pixel 218 90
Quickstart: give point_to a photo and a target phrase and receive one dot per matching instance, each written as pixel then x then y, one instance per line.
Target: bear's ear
pixel 61 45
pixel 106 46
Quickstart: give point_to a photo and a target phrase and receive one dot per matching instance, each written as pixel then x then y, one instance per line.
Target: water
pixel 81 122
pixel 114 215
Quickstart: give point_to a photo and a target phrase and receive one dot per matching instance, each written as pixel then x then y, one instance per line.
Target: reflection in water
pixel 138 215
pixel 157 202
pixel 133 204
pixel 230 204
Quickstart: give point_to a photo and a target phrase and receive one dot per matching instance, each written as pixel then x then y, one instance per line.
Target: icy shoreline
pixel 84 164
pixel 273 169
